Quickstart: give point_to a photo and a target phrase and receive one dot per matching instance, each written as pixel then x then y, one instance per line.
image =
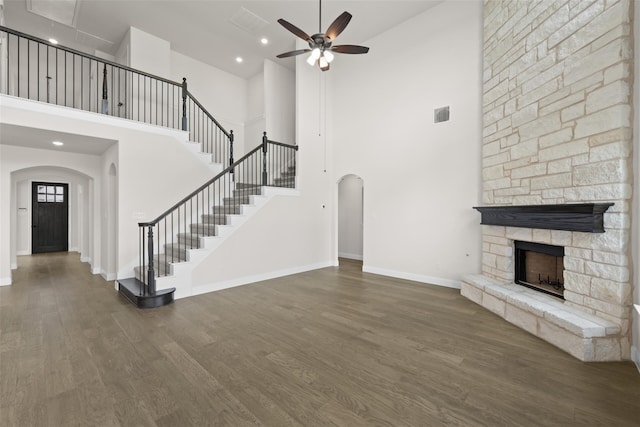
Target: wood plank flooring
pixel 332 347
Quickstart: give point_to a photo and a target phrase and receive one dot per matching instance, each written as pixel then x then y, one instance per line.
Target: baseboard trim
pixel 108 276
pixel 350 256
pixel 212 287
pixel 85 259
pixel 22 253
pixel 14 266
pixel 95 271
pixel 429 280
pixel 5 281
pixel 635 357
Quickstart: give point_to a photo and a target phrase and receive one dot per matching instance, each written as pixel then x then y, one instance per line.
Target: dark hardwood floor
pixel 332 347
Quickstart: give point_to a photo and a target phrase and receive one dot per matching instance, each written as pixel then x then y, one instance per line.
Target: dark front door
pixel 50 217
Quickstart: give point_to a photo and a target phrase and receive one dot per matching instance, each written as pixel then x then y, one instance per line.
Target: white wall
pixel 279 98
pixel 350 217
pixel 123 55
pixel 421 178
pixel 256 123
pixel 109 198
pixel 149 53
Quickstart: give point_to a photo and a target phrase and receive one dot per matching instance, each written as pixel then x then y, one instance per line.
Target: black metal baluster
pixel 73 80
pixel 19 67
pixel 264 158
pixel 184 103
pixel 28 69
pixel 65 80
pixel 172 233
pixel 38 72
pixel 57 72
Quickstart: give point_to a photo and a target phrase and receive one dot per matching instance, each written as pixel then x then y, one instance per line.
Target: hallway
pixel 333 347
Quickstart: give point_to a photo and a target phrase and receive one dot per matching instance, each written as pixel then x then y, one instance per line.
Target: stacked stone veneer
pixel 557 129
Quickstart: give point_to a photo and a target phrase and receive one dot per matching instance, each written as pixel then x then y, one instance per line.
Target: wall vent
pixel 248 21
pixel 441 114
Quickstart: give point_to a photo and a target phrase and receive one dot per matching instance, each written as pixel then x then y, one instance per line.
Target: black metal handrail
pixel 38 70
pixel 201 213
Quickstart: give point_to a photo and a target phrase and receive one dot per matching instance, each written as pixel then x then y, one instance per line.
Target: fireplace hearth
pixel 540 267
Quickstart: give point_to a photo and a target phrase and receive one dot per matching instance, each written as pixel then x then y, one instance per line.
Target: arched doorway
pixel 350 218
pixel 79 207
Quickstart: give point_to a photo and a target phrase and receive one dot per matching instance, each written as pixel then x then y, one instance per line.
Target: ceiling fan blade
pixel 350 48
pixel 293 53
pixel 295 30
pixel 338 25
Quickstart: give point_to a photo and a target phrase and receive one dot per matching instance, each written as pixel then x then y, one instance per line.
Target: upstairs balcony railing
pixel 35 69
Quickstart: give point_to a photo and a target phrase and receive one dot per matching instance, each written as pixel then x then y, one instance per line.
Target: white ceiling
pixel 202 29
pixel 42 139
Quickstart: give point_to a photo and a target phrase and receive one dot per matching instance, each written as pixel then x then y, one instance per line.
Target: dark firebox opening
pixel 540 267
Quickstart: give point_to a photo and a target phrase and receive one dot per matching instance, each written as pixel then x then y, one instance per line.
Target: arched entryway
pixel 350 218
pixel 80 205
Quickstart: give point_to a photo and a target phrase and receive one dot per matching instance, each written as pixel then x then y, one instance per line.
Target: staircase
pixel 184 233
pixel 174 243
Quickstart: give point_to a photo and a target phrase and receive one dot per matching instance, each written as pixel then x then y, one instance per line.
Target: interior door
pixel 50 217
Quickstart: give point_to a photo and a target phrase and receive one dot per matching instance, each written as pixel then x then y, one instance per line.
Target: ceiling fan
pixel 321 44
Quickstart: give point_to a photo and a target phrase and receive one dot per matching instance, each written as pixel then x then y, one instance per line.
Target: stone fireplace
pixel 557 135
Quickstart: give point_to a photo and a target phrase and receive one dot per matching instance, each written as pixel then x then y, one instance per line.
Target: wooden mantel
pixel 586 217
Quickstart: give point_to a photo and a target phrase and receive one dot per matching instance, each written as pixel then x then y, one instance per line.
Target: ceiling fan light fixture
pixel 323 62
pixel 328 56
pixel 311 61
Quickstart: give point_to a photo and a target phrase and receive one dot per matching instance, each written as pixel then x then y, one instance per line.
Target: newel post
pixel 184 103
pixel 151 278
pixel 264 158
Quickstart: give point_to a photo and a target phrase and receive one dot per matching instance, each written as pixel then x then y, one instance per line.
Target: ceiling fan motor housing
pixel 321 41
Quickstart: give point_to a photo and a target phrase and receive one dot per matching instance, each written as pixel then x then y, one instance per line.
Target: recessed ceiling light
pixel 239 59
pixel 264 40
pixel 53 41
pixel 58 143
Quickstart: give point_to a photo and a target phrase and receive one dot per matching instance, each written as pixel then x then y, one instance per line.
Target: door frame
pixel 34 210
